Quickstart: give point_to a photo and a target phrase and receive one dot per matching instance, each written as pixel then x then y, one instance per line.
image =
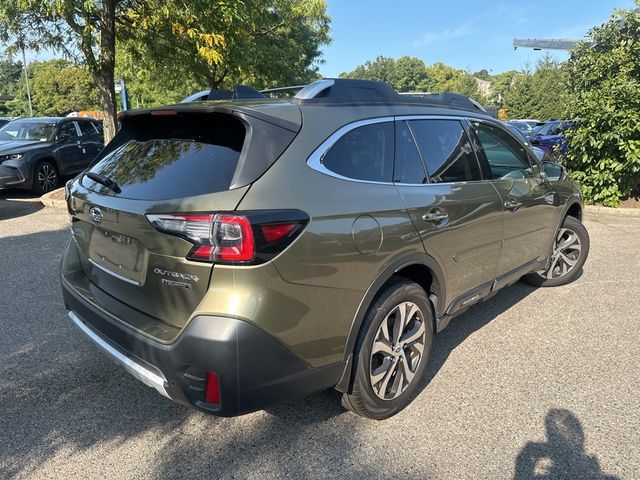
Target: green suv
pixel 232 254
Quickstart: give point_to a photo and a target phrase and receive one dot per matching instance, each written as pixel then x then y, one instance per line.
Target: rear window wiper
pixel 102 180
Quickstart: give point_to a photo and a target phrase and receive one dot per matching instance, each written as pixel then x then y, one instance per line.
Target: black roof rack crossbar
pixel 342 90
pixel 239 92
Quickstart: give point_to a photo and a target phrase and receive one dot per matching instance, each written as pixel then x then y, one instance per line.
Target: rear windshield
pixel 161 158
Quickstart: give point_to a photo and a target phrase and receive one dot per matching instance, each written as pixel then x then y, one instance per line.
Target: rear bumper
pixel 254 369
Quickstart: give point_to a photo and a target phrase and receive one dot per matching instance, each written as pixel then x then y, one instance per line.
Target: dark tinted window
pixel 446 150
pixel 364 153
pixel 507 158
pixel 87 129
pixel 156 158
pixel 67 130
pixel 409 166
pixel 548 128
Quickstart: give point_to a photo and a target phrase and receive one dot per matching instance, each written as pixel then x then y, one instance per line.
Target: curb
pixel 594 210
pixel 48 201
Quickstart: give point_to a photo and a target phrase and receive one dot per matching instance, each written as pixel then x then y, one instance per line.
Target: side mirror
pixel 553 171
pixel 534 141
pixel 63 137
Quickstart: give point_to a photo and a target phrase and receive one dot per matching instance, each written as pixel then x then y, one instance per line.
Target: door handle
pixel 435 216
pixel 511 204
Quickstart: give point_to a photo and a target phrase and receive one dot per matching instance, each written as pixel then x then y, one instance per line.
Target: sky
pixel 465 34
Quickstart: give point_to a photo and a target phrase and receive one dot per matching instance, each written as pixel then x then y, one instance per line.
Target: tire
pixel 397 361
pixel 45 177
pixel 565 264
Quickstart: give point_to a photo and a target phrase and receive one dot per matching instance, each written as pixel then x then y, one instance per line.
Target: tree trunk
pixel 104 77
pixel 108 104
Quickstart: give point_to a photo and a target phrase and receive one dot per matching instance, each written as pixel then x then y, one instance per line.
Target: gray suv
pixel 232 254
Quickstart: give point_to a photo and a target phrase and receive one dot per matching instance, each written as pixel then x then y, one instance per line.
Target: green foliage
pixel 535 94
pixel 58 87
pixel 407 74
pixel 219 43
pixel 604 96
pixel 10 75
pixel 410 74
pixel 151 85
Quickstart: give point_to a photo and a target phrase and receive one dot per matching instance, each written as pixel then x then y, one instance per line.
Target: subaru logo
pixel 95 214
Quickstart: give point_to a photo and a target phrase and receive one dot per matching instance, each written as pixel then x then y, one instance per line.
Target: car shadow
pixel 562 456
pixel 59 397
pixel 469 322
pixel 19 205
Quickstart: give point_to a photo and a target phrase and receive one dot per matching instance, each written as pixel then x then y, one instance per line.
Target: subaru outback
pixel 235 253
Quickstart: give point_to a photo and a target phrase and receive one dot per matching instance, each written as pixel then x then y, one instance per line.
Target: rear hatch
pixel 164 162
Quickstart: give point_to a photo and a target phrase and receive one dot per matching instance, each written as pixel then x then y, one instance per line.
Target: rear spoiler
pixel 204 107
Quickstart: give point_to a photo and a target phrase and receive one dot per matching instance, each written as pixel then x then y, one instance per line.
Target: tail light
pixel 212 389
pixel 237 237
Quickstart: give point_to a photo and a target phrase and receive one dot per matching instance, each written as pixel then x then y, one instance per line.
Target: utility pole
pixel 26 76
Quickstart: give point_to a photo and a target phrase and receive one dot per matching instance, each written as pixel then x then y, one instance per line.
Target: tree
pixel 407 74
pixel 445 78
pixel 603 82
pixel 10 74
pixel 84 30
pixel 58 87
pixel 263 43
pixel 536 94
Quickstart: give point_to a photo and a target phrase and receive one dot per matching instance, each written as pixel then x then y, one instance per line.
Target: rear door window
pixel 157 158
pixel 87 129
pixel 446 150
pixel 409 168
pixel 364 153
pixel 67 131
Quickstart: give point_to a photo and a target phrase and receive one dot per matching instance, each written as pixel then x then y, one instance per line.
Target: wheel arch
pixel 45 157
pixel 574 209
pixel 418 267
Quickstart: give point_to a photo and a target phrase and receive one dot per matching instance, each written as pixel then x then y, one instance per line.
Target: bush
pixel 604 97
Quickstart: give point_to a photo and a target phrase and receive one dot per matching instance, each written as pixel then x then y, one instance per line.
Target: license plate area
pixel 119 255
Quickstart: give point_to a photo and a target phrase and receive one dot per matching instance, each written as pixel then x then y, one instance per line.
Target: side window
pixel 506 157
pixel 409 167
pixel 446 150
pixel 87 129
pixel 364 153
pixel 547 129
pixel 67 131
pixel 98 127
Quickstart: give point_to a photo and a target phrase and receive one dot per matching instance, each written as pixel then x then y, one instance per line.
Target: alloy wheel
pixel 47 177
pixel 397 351
pixel 566 253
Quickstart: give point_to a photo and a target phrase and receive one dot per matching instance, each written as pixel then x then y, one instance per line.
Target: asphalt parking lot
pixel 534 382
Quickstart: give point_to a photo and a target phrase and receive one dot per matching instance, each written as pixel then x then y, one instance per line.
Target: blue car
pixel 551 134
pixel 540 154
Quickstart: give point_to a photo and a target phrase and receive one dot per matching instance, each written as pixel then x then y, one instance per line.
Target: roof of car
pixel 52 119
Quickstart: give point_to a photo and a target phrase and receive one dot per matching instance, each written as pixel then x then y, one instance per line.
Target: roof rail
pixel 345 91
pixel 239 92
pixel 342 90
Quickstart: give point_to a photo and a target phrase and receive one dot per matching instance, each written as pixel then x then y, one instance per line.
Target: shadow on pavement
pixel 472 320
pixel 12 208
pixel 60 397
pixel 562 456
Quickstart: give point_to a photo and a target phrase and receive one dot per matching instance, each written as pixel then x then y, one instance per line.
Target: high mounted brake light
pixel 236 237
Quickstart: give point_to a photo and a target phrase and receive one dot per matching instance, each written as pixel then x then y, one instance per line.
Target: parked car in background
pixel 538 152
pixel 36 152
pixel 526 127
pixel 232 254
pixel 550 134
pixel 4 121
